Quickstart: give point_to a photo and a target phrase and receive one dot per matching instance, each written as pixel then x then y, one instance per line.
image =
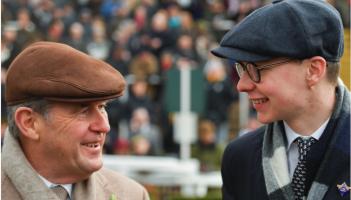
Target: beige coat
pixel 20 181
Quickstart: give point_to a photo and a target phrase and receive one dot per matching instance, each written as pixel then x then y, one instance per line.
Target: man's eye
pixel 84 110
pixel 83 107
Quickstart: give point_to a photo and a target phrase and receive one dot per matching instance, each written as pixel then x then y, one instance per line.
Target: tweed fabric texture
pixel 286 28
pixel 19 181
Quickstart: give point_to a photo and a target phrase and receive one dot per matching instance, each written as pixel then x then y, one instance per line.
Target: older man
pixel 57 120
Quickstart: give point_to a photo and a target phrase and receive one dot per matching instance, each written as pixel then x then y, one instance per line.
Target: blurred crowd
pixel 144 40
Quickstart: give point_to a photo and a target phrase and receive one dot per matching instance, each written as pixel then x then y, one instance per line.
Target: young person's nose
pixel 245 83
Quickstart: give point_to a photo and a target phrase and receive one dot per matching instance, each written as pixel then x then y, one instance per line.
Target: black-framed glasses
pixel 254 71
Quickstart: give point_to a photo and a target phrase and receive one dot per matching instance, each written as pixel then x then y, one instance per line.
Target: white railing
pixel 165 171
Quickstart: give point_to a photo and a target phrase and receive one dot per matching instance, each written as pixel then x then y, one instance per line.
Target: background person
pixel 206 150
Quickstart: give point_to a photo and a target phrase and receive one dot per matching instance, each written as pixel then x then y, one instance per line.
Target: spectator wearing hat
pixel 56 99
pixel 287 55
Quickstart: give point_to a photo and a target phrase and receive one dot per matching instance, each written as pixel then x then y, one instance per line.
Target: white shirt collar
pixel 292 135
pixel 68 187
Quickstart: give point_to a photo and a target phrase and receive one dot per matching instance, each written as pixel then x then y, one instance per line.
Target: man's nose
pixel 99 122
pixel 245 83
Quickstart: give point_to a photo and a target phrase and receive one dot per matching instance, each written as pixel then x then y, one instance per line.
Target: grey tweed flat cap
pixel 286 28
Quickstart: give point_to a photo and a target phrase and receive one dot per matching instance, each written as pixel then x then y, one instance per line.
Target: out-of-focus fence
pixel 166 177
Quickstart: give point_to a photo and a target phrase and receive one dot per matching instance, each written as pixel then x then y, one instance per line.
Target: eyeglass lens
pixel 250 68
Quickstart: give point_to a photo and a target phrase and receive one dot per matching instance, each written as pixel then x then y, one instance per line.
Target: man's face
pixel 72 138
pixel 281 93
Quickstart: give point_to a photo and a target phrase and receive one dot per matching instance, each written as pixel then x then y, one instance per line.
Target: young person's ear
pixel 316 70
pixel 26 120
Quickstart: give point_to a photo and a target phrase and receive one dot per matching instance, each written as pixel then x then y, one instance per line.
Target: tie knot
pixel 60 192
pixel 304 145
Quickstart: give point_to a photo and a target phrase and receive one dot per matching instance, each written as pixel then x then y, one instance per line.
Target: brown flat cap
pixel 59 72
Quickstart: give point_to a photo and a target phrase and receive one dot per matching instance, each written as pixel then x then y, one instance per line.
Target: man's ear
pixel 27 122
pixel 317 69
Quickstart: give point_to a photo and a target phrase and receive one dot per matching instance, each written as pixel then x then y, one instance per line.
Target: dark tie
pixel 299 177
pixel 60 192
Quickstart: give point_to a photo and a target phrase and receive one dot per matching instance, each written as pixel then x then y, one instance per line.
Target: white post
pixel 185 120
pixel 185 89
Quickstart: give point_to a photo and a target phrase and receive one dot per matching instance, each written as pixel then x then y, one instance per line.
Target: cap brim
pixel 82 100
pixel 238 55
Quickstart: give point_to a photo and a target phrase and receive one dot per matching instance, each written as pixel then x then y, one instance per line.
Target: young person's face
pixel 72 138
pixel 280 93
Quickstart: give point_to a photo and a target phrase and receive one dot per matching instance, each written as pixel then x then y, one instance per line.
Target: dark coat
pixel 242 169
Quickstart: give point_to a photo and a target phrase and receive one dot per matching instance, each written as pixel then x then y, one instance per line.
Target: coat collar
pixel 31 187
pixel 337 157
pixel 21 173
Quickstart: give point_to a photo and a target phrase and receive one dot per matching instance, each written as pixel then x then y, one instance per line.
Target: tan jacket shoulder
pixel 120 186
pixel 8 190
pixel 20 181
